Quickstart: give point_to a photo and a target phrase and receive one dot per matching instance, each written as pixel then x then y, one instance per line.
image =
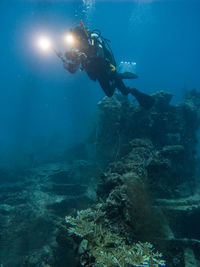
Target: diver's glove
pixel 73 60
pixel 75 55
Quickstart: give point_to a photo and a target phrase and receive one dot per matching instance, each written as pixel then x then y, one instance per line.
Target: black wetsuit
pixel 92 55
pixel 99 64
pixel 100 69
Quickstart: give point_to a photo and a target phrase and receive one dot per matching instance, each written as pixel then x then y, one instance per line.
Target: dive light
pixel 70 39
pixel 44 43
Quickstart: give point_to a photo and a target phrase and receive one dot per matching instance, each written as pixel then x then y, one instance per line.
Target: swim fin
pixel 127 75
pixel 144 100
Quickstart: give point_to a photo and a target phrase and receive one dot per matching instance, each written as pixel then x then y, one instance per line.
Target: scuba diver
pixel 91 52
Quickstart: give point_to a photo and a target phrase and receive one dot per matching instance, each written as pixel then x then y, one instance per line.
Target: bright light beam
pixel 44 43
pixel 70 39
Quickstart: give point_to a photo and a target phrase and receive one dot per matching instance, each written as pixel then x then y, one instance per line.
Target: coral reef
pixel 171 129
pixel 85 222
pixel 123 216
pixel 100 246
pixel 136 197
pixel 144 152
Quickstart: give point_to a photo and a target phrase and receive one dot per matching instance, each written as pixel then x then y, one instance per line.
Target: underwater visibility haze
pixel 125 176
pixel 40 100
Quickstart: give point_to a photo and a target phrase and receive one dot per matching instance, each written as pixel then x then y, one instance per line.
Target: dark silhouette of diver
pixel 92 53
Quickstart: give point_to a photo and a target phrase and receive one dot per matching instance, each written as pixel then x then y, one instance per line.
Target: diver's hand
pixel 75 55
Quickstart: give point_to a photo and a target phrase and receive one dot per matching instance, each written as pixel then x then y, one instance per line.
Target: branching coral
pixel 139 254
pixel 84 223
pixel 108 248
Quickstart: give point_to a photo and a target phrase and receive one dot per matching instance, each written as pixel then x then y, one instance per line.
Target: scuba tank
pixel 104 42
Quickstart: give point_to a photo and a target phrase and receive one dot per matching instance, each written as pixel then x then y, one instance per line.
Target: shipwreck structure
pixel 133 201
pixel 148 191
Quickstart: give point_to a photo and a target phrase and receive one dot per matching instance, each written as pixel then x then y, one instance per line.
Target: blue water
pixel 43 108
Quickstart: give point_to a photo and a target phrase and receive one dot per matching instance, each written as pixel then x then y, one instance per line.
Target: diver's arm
pixel 74 59
pixel 68 65
pixel 75 55
pixel 72 67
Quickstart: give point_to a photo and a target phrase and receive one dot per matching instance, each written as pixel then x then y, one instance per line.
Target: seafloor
pixel 129 196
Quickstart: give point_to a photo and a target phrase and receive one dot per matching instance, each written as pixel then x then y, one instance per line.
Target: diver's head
pixel 80 37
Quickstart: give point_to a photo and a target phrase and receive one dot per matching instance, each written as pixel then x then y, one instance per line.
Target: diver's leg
pixel 144 100
pixel 120 85
pixel 106 86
